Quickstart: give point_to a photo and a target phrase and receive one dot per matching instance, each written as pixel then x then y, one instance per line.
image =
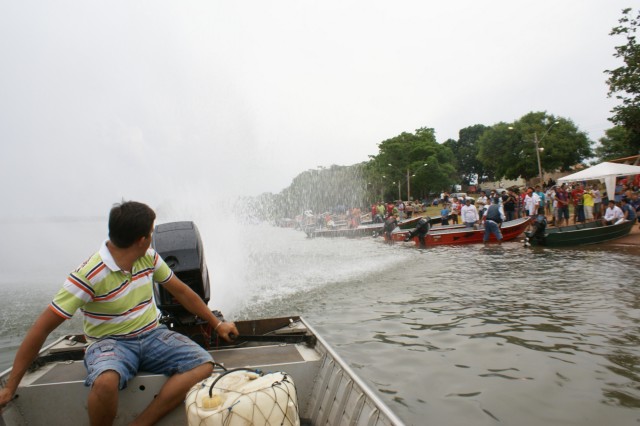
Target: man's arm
pixel 28 351
pixel 194 304
pixel 608 215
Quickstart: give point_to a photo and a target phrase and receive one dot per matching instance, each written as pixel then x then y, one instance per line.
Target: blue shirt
pixel 631 212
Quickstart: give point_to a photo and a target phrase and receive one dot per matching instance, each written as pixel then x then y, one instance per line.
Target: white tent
pixel 604 172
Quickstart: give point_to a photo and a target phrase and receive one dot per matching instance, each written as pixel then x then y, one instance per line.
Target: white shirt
pixel 531 203
pixel 469 214
pixel 597 198
pixel 613 214
pixel 550 195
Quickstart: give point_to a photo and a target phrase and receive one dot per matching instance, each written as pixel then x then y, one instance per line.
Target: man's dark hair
pixel 128 221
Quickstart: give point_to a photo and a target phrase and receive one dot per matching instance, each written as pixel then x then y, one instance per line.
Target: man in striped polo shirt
pixel 113 290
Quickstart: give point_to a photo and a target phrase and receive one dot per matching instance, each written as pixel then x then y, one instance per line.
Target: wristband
pixel 216 327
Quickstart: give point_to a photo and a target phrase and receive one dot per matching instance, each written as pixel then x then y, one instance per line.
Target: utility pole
pixel 409 180
pixel 536 141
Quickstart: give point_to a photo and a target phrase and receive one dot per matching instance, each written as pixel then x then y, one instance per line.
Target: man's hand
pixel 226 330
pixel 6 396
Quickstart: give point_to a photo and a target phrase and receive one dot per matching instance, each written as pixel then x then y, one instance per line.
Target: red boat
pixel 510 230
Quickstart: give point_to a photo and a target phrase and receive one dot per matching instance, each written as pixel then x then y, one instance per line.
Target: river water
pixel 497 335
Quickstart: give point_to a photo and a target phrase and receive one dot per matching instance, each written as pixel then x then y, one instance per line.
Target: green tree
pixel 615 144
pixel 316 190
pixel 415 159
pixel 624 81
pixel 509 150
pixel 465 151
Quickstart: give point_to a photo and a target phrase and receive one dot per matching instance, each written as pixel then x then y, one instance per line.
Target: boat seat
pixel 231 358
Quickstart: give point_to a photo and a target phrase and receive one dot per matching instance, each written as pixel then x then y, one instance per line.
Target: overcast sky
pixel 159 100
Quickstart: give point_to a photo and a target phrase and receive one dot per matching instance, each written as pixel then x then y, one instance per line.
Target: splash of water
pixel 256 263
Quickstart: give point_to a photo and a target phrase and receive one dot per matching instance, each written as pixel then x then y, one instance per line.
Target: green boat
pixel 579 234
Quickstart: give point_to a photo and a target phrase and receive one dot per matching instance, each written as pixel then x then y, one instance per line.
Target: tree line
pixel 414 165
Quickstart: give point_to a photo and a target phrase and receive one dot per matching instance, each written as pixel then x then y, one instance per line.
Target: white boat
pixel 327 391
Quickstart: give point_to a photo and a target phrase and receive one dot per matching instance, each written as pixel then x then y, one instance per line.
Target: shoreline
pixel 630 240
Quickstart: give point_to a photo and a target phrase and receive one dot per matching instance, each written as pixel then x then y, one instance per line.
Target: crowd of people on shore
pixel 404 210
pixel 557 205
pixel 564 204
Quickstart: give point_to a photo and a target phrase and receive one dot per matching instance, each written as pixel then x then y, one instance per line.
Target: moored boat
pixel 579 234
pixel 460 235
pixel 370 230
pixel 365 230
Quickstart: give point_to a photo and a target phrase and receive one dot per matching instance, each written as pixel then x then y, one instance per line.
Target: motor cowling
pixel 180 245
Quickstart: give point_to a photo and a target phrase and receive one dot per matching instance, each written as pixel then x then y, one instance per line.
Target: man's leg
pixel 172 394
pixel 103 399
pixel 177 356
pixel 487 232
pixel 110 365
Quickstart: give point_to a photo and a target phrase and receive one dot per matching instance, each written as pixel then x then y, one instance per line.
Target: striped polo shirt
pixel 113 302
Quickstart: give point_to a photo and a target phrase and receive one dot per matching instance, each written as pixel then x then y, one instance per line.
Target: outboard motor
pixel 180 246
pixel 538 231
pixel 540 226
pixel 421 230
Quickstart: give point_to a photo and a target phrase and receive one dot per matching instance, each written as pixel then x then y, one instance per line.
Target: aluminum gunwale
pixel 363 386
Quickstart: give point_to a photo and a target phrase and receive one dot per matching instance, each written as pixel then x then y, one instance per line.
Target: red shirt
pixel 576 195
pixel 562 197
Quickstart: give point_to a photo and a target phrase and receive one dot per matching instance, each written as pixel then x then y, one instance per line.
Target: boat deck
pixel 328 391
pixel 48 388
pixel 65 372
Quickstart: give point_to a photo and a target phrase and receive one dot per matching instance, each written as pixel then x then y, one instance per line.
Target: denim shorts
pixel 563 212
pixel 159 351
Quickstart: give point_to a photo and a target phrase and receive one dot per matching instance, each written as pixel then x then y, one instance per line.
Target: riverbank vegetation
pixel 415 165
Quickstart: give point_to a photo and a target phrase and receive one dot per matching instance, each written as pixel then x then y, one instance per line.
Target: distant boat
pixel 579 234
pixel 459 235
pixel 370 230
pixel 365 230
